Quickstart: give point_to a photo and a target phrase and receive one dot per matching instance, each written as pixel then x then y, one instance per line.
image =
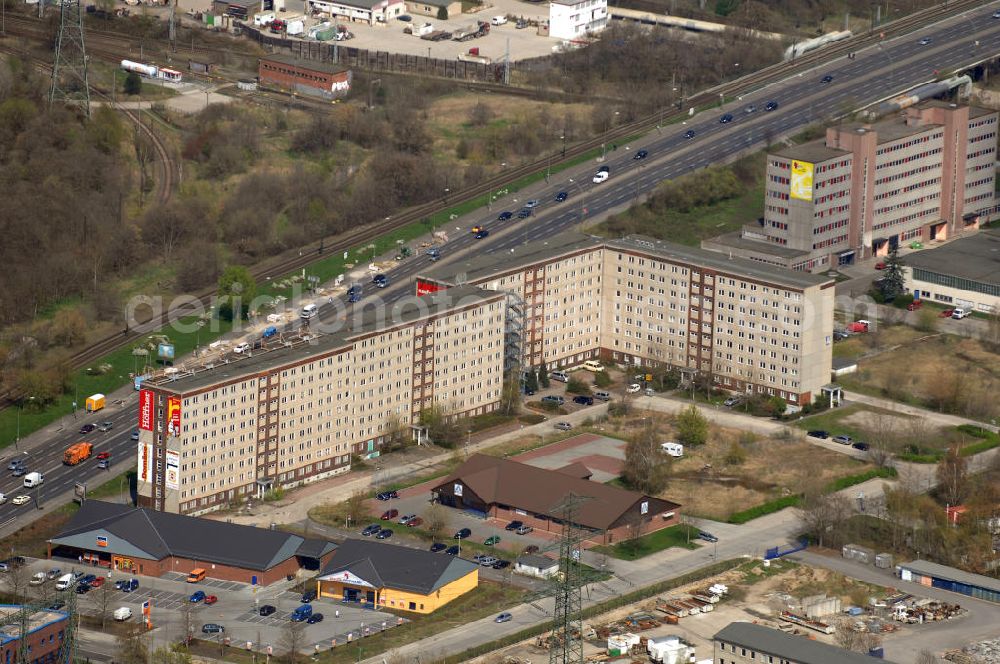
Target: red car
pixel 415 521
pixel 97 583
pixel 103 455
pixel 913 306
pixel 389 514
pixel 211 599
pixel 946 313
pixel 880 266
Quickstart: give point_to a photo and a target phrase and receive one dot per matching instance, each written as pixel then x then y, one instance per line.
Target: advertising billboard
pixel 173 470
pixel 802 181
pixel 146 410
pixel 145 465
pixel 165 351
pixel 174 416
pixel 425 287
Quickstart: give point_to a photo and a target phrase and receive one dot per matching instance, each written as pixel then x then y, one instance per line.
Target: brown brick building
pixel 317 79
pixel 508 490
pixel 144 541
pixel 45 635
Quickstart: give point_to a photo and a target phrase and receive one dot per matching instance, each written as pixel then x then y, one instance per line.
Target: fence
pixel 362 58
pixel 785 549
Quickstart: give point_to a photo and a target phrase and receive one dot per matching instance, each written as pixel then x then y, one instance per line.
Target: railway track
pixel 362 235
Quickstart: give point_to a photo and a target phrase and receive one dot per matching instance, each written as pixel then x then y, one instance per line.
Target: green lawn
pixel 832 420
pixel 662 539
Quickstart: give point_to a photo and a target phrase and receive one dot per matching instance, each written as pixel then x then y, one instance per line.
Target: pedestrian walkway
pixel 940 419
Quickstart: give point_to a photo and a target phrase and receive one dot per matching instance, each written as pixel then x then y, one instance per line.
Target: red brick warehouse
pixel 316 79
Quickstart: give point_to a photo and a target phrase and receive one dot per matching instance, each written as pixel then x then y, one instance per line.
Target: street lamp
pixel 563 137
pixel 17 436
pixel 489 201
pixel 604 144
pixel 468 439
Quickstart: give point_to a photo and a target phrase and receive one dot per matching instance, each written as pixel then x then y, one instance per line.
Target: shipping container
pixel 883 560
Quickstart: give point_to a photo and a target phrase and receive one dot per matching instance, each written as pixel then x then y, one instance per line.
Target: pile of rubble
pixel 984 652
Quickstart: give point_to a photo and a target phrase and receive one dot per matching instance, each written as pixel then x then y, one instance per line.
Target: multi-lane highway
pixel 875 73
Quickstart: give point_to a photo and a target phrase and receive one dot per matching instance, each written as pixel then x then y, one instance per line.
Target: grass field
pixel 682 535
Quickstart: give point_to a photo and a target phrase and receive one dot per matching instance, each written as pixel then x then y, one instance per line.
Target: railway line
pixel 300 258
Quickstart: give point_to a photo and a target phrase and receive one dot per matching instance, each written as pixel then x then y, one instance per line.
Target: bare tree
pixel 926 657
pixel 883 440
pixel 355 507
pixel 17 581
pixel 823 514
pixel 435 520
pixel 292 640
pixel 102 600
pixel 951 475
pixel 132 646
pixel 187 622
pixel 646 467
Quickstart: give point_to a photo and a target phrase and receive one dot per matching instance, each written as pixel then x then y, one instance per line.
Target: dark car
pixel 308 596
pixel 385 533
pixel 641 154
pixel 689 133
pixel 583 400
pixel 826 79
pixel 524 213
pixel 501 564
pixel 380 281
pixel 770 106
pixel 55 606
pixel 212 628
pixel 314 618
pixel 484 233
pixel 354 294
pixel 708 537
pixel 860 445
pixel 452 550
pixel 726 119
pixel 406 18
pixel 438 546
pixel 390 514
pixel 387 495
pixel 20 471
pixel 14 463
pixel 197 596
pixel 513 525
pixel 505 215
pixel 561 196
pixel 925 41
pixel 89 578
pixel 819 433
pixel 464 533
pixel 371 530
pixel 87 428
pixel 83 588
pixel 267 610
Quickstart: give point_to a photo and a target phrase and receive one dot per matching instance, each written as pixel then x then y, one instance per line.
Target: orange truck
pixel 77 453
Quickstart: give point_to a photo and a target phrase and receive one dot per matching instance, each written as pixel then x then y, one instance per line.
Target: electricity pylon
pixel 69 69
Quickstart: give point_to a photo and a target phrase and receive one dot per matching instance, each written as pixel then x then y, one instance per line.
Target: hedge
pixel 851 480
pixel 769 507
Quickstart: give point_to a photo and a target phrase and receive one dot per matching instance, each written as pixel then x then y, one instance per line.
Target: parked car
pixel 946 313
pixel 308 596
pixel 314 618
pixel 487 561
pixel 524 530
pixel 405 519
pixel 438 546
pixel 414 522
pixel 732 401
pixel 561 196
pixel 371 530
pixel 98 582
pixel 384 534
pixel 387 495
pixel 452 550
pixel 390 514
pixel 861 445
pixel 959 313
pixel 212 628
pixel 210 600
pixel 633 388
pixel 513 525
pixel 267 610
pixel 492 541
pixel 501 564
pixel 53 573
pixel 583 400
pixel 557 400
pixel 880 265
pixel 819 433
pixel 505 215
pixel 708 537
pixel 840 335
pixel 913 306
pixel 504 617
pixel 197 596
pixel 464 533
pixel 88 578
pixel 842 439
pixel 241 348
pixel 563 426
pixel 83 589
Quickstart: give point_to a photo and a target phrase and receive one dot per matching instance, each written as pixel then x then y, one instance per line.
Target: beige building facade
pixel 635 301
pixel 282 417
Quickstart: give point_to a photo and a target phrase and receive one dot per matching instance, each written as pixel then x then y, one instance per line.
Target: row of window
pixel 829 242
pixel 909 158
pixel 916 140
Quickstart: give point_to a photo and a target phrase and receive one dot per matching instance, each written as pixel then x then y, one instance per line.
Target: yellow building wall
pixel 391 598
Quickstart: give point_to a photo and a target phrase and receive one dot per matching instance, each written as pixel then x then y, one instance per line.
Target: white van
pixel 64 582
pixel 959 313
pixel 122 614
pixel 593 365
pixel 561 376
pixel 499 20
pixel 31 480
pixel 675 450
pixel 309 311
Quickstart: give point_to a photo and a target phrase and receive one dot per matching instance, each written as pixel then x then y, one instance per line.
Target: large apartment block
pixel 751 327
pixel 865 188
pixel 212 434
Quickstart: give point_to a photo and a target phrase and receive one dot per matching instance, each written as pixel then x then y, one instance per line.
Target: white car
pixel 601 176
pixel 242 348
pixel 959 313
pixel 21 500
pixel 3 498
pixel 633 388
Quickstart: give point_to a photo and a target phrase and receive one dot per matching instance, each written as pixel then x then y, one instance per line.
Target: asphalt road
pixel 877 72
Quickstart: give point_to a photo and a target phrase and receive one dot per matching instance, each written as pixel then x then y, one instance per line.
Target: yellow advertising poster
pixel 802 181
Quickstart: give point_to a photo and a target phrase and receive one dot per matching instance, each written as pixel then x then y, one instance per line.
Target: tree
pixel 883 440
pixel 951 476
pixel 237 289
pixel 543 376
pixel 510 395
pixel 531 381
pixel 133 84
pixel 132 646
pixel 293 640
pixel 175 655
pixel 442 428
pixel 435 520
pixel 736 455
pixel 602 379
pixel 442 14
pixel 646 468
pixel 692 427
pixel 355 507
pixel 893 283
pixel 396 434
pixel 577 386
pixel 927 319
pixel 823 513
pixel 16 580
pixel 102 600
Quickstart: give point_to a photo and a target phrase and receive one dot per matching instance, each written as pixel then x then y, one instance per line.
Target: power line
pixel 69 68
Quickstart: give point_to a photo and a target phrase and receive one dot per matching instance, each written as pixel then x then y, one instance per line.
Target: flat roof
pixel 736 240
pixel 325 67
pixel 404 311
pixel 814 152
pixel 927 568
pixel 798 649
pixel 976 258
pixel 496 264
pixel 37 620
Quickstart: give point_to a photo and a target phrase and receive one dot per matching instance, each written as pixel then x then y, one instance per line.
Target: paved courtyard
pixel 603 456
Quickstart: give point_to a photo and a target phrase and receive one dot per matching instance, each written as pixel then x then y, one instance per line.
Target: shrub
pixel 577 386
pixel 763 509
pixel 851 480
pixel 602 379
pixel 442 13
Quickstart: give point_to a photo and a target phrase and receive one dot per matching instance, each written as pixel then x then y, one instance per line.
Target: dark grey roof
pixel 927 568
pixel 538 562
pixel 399 567
pixel 795 648
pixel 315 548
pixel 368 320
pixel 158 535
pixel 976 258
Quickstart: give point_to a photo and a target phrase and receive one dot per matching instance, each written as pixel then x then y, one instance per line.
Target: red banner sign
pixel 426 287
pixel 174 416
pixel 146 410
